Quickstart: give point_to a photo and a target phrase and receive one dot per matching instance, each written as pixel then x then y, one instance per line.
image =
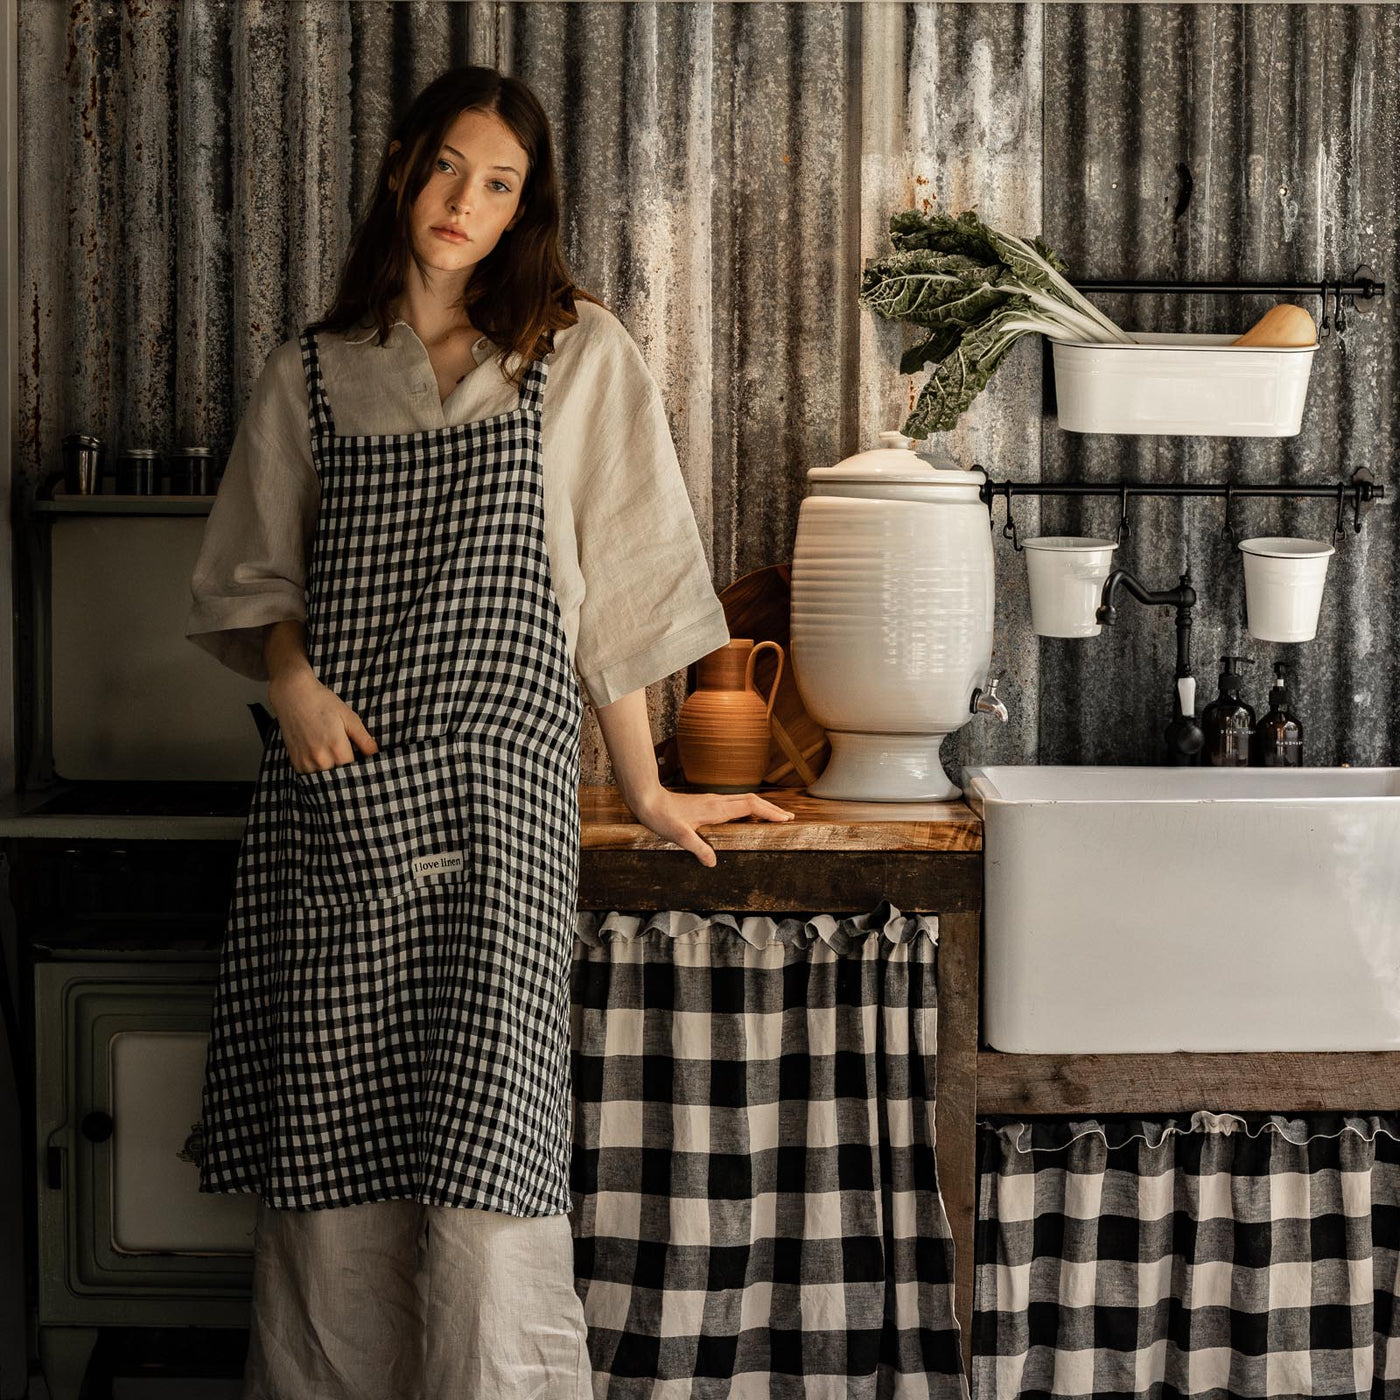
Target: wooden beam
pixel 764 881
pixel 1183 1081
pixel 956 1103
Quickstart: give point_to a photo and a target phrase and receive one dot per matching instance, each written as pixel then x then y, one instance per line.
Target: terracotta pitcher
pixel 723 732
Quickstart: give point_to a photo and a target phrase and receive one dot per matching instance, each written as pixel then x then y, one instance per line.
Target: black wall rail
pixel 1362 491
pixel 1362 284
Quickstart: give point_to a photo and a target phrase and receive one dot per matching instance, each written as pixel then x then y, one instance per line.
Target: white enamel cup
pixel 1283 581
pixel 1066 578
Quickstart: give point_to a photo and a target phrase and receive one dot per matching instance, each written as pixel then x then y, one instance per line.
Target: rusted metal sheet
pixel 190 176
pixel 1210 143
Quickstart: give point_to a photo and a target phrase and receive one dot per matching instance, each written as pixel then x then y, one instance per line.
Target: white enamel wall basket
pixel 891 627
pixel 1193 384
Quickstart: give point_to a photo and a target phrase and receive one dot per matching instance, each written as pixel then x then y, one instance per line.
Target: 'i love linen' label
pixel 424 867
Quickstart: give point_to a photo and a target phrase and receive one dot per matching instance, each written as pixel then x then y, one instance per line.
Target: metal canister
pixel 137 471
pixel 192 471
pixel 82 464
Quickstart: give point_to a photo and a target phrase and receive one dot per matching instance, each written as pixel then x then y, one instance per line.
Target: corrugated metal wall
pixel 1284 121
pixel 189 175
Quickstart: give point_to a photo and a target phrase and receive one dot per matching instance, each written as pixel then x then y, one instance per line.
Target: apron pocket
pixel 394 819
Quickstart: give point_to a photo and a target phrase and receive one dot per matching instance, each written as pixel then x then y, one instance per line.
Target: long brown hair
pixel 521 292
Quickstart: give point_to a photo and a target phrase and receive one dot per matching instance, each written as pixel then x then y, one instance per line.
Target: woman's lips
pixel 450 236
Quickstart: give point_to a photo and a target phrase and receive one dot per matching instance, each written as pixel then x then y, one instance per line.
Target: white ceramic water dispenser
pixel 891 628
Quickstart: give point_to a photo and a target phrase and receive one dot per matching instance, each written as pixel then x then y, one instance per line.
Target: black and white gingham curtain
pixel 1214 1254
pixel 757 1211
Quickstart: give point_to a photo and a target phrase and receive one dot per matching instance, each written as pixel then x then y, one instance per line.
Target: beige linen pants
pixel 395 1300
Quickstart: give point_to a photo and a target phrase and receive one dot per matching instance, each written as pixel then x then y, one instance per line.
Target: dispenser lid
pixel 1230 675
pixel 896 461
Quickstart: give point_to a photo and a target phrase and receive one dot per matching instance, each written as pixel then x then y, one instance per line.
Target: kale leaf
pixel 977 290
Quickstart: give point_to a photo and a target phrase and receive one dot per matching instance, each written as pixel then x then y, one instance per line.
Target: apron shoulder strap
pixel 532 386
pixel 319 406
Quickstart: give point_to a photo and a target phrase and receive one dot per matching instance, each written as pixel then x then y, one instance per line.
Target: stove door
pixel 124 1232
pixel 156 1076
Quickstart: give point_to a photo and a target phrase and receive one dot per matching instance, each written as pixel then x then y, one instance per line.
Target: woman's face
pixel 474 189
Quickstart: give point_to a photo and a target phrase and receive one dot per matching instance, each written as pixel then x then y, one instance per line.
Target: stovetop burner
pixel 149 798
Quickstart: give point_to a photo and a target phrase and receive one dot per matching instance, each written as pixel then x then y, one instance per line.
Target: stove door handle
pixel 97 1126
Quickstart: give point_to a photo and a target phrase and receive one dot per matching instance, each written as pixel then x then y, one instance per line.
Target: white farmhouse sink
pixel 1158 909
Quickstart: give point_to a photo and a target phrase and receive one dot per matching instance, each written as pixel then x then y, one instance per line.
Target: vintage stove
pixel 120 890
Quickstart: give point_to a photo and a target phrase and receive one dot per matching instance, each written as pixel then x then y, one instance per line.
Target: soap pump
pixel 1227 721
pixel 1278 741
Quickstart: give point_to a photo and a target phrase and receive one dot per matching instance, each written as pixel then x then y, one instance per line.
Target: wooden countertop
pixel 606 825
pixel 818 824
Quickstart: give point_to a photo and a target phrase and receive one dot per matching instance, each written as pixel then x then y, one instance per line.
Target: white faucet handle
pixel 1186 688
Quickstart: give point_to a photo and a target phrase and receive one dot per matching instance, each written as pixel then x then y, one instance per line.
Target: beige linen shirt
pixel 627 565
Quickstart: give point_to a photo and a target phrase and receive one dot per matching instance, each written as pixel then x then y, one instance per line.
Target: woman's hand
pixel 675 815
pixel 319 729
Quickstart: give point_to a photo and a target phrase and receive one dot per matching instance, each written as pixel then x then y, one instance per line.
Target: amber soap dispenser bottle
pixel 1278 741
pixel 1228 723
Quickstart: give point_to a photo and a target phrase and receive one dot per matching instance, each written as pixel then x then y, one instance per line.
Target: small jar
pixel 82 464
pixel 192 471
pixel 138 469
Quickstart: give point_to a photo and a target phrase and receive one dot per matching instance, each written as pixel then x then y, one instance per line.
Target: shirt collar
pixel 369 326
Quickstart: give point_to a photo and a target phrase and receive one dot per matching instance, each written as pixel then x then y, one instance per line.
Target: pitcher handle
pixel 777 675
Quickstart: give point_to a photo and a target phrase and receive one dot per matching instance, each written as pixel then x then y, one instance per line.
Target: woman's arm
pixel 319 729
pixel 672 815
pixel 284 652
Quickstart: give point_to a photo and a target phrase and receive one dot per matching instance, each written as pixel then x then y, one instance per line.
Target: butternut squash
pixel 1284 324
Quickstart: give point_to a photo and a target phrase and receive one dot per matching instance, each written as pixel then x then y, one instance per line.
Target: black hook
pixel 1008 531
pixel 1364 487
pixel 1227 529
pixel 1325 329
pixel 1125 530
pixel 1337 532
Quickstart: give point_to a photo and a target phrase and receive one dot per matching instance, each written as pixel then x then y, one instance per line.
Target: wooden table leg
pixel 955 1109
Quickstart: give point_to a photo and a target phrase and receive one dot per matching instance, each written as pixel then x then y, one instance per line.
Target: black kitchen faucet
pixel 1184 736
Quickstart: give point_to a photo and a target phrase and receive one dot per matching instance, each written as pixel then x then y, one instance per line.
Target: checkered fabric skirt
pixel 757 1211
pixel 1209 1255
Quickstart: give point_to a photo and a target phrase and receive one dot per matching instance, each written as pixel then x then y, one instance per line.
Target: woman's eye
pixel 505 187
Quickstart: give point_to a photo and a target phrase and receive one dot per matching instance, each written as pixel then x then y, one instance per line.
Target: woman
pixel 389 1057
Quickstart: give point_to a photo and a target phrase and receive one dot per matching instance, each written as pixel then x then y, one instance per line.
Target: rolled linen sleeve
pixel 649 606
pixel 251 568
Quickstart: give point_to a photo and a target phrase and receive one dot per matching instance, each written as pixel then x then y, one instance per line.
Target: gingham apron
pixel 391 1016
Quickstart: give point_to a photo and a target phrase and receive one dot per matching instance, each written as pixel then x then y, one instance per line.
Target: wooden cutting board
pixel 758 606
